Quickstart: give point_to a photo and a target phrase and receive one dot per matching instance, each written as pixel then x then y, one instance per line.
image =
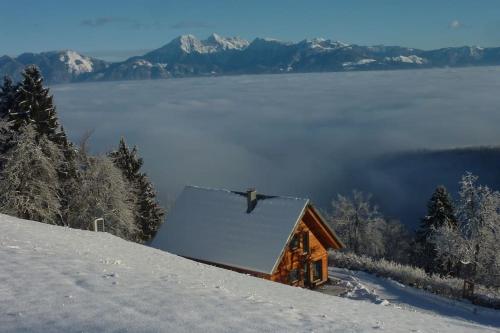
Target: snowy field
pixel 241 131
pixel 55 279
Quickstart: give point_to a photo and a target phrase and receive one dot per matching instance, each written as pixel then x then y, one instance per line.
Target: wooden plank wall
pixel 294 259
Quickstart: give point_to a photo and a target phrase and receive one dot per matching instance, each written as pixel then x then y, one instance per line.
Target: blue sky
pixel 117 29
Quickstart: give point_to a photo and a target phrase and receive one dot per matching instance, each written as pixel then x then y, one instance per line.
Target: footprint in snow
pixel 110 275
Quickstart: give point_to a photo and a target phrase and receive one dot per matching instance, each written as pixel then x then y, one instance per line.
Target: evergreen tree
pixel 7 103
pixel 28 182
pixel 7 96
pixel 68 173
pixel 128 161
pixel 34 105
pixel 440 212
pixel 148 213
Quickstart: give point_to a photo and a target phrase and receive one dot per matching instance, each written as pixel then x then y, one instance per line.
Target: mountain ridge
pixel 187 56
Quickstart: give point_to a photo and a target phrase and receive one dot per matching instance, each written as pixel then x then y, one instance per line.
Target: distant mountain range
pixel 187 56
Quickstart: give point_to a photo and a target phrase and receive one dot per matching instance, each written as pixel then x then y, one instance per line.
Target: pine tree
pixel 148 213
pixel 7 103
pixel 34 105
pixel 7 96
pixel 68 174
pixel 28 182
pixel 440 212
pixel 127 160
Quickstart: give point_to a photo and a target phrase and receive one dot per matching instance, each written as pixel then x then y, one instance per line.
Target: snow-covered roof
pixel 213 225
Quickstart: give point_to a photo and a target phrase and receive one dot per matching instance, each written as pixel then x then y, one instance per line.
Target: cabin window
pixel 294 243
pixel 317 270
pixel 293 276
pixel 305 242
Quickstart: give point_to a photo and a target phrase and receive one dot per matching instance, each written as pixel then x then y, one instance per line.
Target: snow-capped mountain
pixel 187 55
pixel 214 43
pixel 76 63
pixel 56 66
pixel 190 45
pixel 323 45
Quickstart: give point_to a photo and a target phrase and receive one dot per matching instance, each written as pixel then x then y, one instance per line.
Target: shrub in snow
pixel 414 276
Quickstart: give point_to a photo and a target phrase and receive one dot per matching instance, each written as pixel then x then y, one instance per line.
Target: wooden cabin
pixel 281 239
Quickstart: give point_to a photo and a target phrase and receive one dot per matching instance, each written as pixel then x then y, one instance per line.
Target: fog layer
pixel 306 135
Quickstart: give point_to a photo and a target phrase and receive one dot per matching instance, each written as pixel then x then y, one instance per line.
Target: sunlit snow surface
pixel 55 279
pixel 294 134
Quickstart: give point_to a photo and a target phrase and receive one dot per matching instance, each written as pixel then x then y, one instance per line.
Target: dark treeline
pixel 45 177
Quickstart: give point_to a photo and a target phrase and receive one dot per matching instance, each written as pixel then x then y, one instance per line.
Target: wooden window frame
pixel 305 236
pixel 297 275
pixel 295 242
pixel 320 278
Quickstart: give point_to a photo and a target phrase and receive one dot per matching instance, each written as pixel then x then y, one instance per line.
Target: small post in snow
pixel 98 225
pixel 468 290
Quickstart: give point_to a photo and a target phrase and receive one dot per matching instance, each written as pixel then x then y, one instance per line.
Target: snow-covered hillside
pixel 368 287
pixel 55 279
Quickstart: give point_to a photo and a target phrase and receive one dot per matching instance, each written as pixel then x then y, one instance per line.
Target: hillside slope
pixel 56 279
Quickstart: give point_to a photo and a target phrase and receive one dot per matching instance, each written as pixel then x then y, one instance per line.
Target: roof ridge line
pixel 243 192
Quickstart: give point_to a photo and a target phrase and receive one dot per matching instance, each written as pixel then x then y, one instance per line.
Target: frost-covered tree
pixel 34 105
pixel 148 213
pixel 440 212
pixel 359 224
pixel 475 243
pixel 101 191
pixel 28 182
